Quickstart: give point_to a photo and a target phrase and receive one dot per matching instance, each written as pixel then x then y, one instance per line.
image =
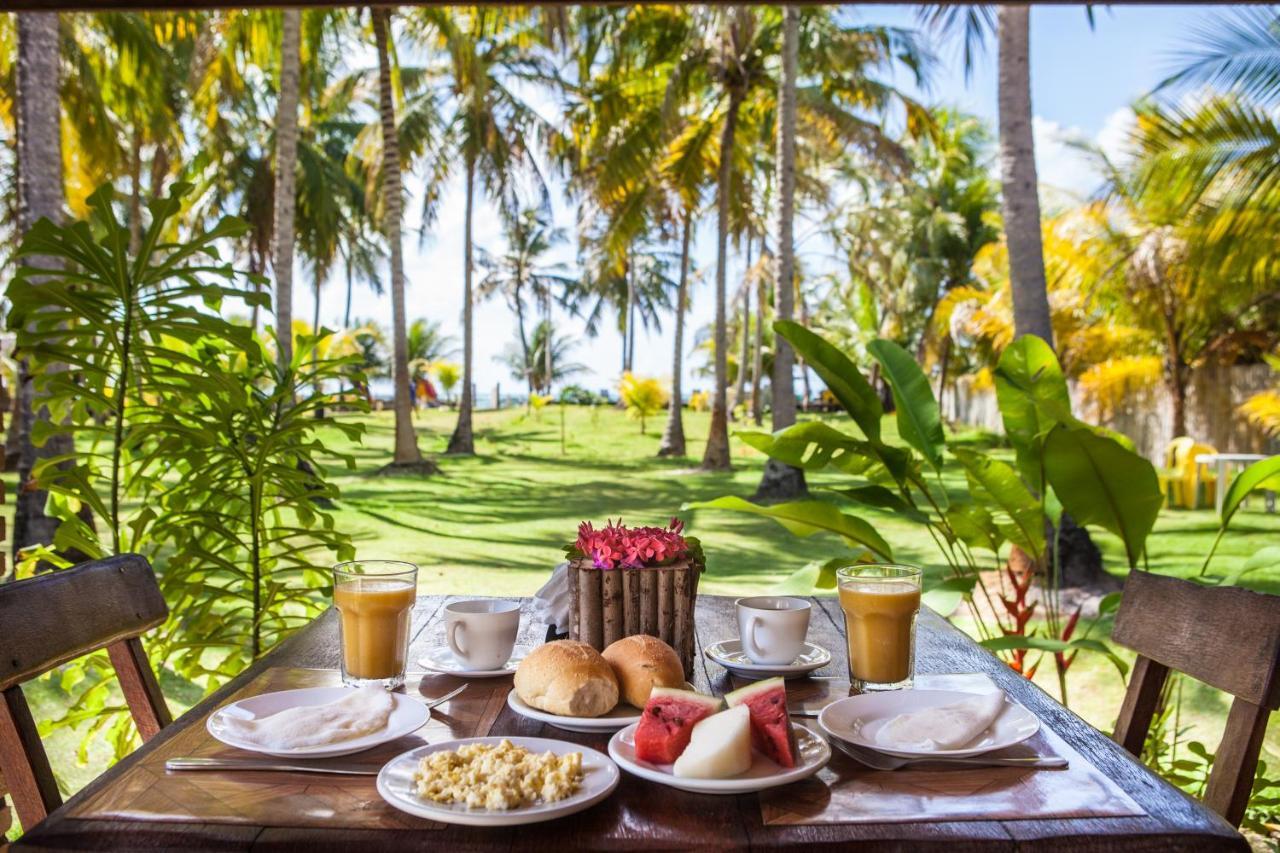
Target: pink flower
pixel 631 548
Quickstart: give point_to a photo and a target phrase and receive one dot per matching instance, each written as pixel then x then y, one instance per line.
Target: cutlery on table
pixel 339 768
pixel 445 698
pixel 880 761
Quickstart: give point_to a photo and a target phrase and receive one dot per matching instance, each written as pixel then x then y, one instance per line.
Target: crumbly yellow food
pixel 498 778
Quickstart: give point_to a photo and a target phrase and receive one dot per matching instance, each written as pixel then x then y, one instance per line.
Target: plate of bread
pixel 572 686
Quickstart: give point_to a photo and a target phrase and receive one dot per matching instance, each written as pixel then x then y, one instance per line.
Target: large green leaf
pixel 882 498
pixel 1018 513
pixel 919 418
pixel 975 527
pixel 1261 474
pixel 840 374
pixel 812 577
pixel 945 596
pixel 1099 481
pixel 1047 644
pixel 805 518
pixel 814 445
pixel 1031 391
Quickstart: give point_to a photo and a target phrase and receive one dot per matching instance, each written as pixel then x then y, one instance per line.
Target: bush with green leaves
pixel 194 446
pixel 1062 464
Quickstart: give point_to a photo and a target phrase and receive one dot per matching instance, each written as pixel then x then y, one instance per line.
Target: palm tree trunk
pixel 673 437
pixel 286 179
pixel 779 481
pixel 716 455
pixel 346 314
pixel 39 195
pixel 524 350
pixel 462 440
pixel 406 443
pixel 547 349
pixel 744 355
pixel 1019 193
pixel 757 359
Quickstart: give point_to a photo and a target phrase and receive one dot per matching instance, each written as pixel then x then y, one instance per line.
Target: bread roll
pixel 642 663
pixel 568 678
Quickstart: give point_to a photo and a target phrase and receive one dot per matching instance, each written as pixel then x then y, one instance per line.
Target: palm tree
pixel 1019 186
pixel 547 361
pixel 780 481
pixel 39 195
pixel 286 178
pixel 485 52
pixel 521 272
pixel 407 453
pixel 428 344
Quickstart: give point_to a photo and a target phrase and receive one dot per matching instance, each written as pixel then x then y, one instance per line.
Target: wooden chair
pixel 54 618
pixel 1226 637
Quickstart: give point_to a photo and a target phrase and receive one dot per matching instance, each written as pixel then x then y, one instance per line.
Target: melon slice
pixel 667 722
pixel 719 748
pixel 770 723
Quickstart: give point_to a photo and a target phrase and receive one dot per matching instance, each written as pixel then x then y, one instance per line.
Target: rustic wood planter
pixel 609 604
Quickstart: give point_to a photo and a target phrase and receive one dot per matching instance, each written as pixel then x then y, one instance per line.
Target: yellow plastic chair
pixel 1186 484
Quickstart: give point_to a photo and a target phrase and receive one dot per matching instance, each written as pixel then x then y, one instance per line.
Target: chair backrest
pixel 54 618
pixel 1226 637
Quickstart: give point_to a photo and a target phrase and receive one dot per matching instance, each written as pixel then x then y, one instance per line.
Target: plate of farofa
pixel 497 781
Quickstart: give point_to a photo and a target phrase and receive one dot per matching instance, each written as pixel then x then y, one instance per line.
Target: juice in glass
pixel 880 603
pixel 375 607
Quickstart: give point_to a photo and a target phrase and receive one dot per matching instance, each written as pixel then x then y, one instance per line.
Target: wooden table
pixel 644 816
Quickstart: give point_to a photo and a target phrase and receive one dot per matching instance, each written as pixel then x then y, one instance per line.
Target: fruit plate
pixel 599 777
pixel 407 716
pixel 812 751
pixel 620 717
pixel 856 719
pixel 729 654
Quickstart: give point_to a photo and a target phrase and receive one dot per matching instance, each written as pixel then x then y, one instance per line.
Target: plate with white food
pixel 923 723
pixel 690 741
pixel 442 659
pixel 495 781
pixel 317 722
pixel 730 655
pixel 572 686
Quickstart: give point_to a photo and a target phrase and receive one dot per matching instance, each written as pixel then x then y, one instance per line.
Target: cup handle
pixel 456 646
pixel 749 643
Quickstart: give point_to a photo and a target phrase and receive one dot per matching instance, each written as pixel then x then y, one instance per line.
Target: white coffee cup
pixel 482 632
pixel 772 627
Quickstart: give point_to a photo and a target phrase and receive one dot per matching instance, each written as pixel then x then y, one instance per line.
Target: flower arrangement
pixel 618 546
pixel 634 580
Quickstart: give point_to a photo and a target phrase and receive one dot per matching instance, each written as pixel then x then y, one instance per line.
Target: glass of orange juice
pixel 880 603
pixel 375 606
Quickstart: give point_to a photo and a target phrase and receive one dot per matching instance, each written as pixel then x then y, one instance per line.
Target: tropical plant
pixel 643 397
pixel 547 359
pixel 1062 466
pixel 448 374
pixel 427 344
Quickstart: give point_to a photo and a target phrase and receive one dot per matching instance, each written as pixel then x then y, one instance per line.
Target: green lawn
pixel 496 524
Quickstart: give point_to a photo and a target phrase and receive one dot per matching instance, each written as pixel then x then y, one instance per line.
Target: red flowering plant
pixel 616 546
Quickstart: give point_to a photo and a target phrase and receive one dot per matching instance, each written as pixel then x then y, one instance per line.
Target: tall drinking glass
pixel 375 606
pixel 880 603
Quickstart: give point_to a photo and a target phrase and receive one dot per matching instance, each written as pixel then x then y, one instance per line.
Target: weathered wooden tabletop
pixel 644 816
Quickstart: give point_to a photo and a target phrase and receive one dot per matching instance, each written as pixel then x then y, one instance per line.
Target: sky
pixel 1083 81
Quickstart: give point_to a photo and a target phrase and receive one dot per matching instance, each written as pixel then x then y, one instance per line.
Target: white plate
pixel 858 718
pixel 441 659
pixel 407 716
pixel 599 777
pixel 621 716
pixel 812 752
pixel 729 654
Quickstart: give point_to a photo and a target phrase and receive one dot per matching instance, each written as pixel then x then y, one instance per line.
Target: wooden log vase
pixel 609 604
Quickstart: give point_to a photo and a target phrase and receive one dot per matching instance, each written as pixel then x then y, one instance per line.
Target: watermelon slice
pixel 771 731
pixel 667 723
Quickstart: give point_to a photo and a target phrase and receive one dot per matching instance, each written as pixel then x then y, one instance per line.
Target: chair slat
pixel 1141 700
pixel 1226 637
pixel 56 617
pixel 26 766
pixel 1235 763
pixel 140 688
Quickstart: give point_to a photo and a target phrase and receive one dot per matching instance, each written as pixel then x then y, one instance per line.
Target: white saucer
pixel 812 753
pixel 621 716
pixel 729 654
pixel 858 718
pixel 599 777
pixel 441 659
pixel 407 716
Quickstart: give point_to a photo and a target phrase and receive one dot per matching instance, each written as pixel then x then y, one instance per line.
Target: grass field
pixel 496 524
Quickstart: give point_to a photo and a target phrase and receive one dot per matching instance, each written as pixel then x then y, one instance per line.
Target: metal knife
pixel 339 768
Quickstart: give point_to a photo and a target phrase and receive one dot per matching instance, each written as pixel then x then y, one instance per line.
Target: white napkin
pixel 360 713
pixel 944 727
pixel 551 603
